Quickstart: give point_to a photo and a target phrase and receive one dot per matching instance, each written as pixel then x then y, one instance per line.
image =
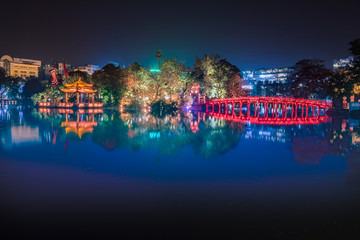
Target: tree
pixel 9 87
pixel 340 85
pixel 110 82
pixel 158 55
pixel 13 88
pixel 51 93
pixel 218 77
pixel 169 85
pixel 136 86
pixel 355 69
pixel 3 82
pixel 234 86
pixel 76 75
pixel 310 79
pixel 278 89
pixel 2 73
pixel 175 80
pixel 31 87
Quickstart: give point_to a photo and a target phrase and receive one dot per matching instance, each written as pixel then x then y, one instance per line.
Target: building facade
pixel 89 69
pixel 59 66
pixel 20 67
pixel 341 64
pixel 265 78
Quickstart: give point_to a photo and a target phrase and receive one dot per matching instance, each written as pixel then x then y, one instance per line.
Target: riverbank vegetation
pixel 168 85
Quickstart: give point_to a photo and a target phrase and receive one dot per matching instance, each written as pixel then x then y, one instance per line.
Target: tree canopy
pixel 110 82
pixel 218 77
pixel 310 79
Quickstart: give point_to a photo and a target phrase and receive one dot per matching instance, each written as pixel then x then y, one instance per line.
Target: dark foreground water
pixel 183 176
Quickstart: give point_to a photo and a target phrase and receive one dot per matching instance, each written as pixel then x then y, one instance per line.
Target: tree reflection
pixel 216 137
pixel 110 132
pixel 207 136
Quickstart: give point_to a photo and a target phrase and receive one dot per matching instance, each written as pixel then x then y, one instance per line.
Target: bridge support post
pixel 232 108
pixel 266 110
pixel 255 108
pixel 284 110
pixel 248 109
pixel 313 111
pixel 240 108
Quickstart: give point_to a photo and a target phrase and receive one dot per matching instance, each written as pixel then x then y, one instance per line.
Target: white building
pixel 344 63
pixel 90 69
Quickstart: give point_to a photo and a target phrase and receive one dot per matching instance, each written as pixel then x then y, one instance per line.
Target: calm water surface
pixel 183 175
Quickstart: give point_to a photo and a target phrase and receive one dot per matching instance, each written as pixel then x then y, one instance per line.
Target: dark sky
pixel 249 34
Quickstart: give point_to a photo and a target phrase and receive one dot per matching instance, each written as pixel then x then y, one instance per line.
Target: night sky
pixel 250 35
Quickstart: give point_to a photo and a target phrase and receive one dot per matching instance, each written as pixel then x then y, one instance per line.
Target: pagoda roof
pixel 79 90
pixel 79 128
pixel 79 83
pixel 78 87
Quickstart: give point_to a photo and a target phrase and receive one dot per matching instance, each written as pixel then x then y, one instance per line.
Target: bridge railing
pixel 268 107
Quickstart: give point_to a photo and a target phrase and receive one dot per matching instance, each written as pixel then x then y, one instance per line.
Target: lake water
pixel 176 176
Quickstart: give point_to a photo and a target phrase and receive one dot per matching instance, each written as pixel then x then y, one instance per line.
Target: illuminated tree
pixel 341 85
pixel 3 83
pixel 218 77
pixel 310 79
pixel 51 93
pixel 136 94
pixel 9 87
pixel 76 75
pixel 176 78
pixel 13 88
pixel 169 85
pixel 234 86
pixel 110 81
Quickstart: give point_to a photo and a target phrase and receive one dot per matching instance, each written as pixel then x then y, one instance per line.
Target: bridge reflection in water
pixel 268 110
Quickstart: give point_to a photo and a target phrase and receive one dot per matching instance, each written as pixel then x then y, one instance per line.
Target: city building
pixel 341 64
pixel 20 67
pixel 90 69
pixel 268 75
pixel 58 65
pixel 265 77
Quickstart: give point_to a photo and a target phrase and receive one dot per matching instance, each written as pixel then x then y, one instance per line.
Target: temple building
pixel 82 90
pixel 85 96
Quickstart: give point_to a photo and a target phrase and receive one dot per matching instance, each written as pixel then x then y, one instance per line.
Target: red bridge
pixel 268 110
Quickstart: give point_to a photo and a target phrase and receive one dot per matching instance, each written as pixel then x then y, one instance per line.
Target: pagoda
pixel 79 127
pixel 81 89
